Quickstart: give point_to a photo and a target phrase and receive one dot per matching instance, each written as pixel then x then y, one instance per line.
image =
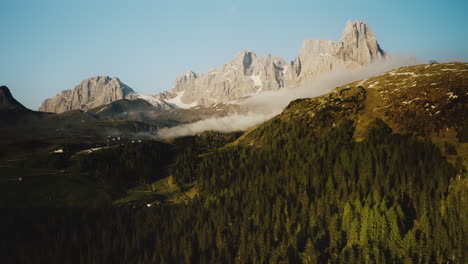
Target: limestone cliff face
pixel 88 94
pixel 248 73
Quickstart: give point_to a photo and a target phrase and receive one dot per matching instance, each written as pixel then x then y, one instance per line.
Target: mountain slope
pixel 7 102
pixel 121 107
pixel 418 100
pixel 13 112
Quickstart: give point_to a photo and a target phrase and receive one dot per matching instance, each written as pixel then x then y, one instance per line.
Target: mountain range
pixel 245 75
pixel 427 100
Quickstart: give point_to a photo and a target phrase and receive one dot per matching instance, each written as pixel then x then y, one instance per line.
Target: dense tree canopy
pixel 300 198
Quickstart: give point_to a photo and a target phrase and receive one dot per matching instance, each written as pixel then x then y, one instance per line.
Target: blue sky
pixel 51 45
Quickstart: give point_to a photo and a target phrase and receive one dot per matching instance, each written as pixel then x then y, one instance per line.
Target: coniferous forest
pixel 300 198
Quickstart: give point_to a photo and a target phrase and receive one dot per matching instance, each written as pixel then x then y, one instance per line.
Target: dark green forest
pixel 126 165
pixel 300 198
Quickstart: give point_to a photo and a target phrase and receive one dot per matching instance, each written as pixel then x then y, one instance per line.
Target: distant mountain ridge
pixel 246 74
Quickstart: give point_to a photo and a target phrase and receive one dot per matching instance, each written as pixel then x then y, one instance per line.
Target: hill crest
pixel 418 100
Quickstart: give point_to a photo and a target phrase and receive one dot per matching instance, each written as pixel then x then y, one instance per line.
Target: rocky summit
pixel 88 94
pixel 357 47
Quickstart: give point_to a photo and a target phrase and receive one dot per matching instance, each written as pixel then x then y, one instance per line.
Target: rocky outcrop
pixel 88 94
pixel 248 73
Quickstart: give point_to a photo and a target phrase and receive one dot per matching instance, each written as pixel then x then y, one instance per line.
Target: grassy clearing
pixel 368 114
pixel 164 191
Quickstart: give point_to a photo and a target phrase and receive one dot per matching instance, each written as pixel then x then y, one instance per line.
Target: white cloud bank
pixel 229 123
pixel 265 105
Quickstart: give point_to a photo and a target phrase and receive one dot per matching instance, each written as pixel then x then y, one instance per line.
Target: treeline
pixel 301 198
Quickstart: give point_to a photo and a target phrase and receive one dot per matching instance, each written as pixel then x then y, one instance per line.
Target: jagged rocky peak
pixel 274 61
pixel 103 81
pixel 88 94
pixel 241 63
pixel 296 66
pixel 182 79
pixel 251 64
pixel 7 101
pixel 245 74
pixel 244 59
pixel 355 29
pixel 359 44
pixel 357 47
pixel 189 75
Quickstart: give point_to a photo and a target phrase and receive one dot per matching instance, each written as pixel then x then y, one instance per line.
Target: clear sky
pixel 47 46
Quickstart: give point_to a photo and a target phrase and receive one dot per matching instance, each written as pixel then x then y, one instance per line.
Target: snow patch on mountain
pixel 177 100
pixel 149 98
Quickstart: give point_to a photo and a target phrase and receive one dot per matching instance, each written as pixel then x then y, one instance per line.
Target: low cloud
pixel 229 123
pixel 263 106
pixel 275 101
